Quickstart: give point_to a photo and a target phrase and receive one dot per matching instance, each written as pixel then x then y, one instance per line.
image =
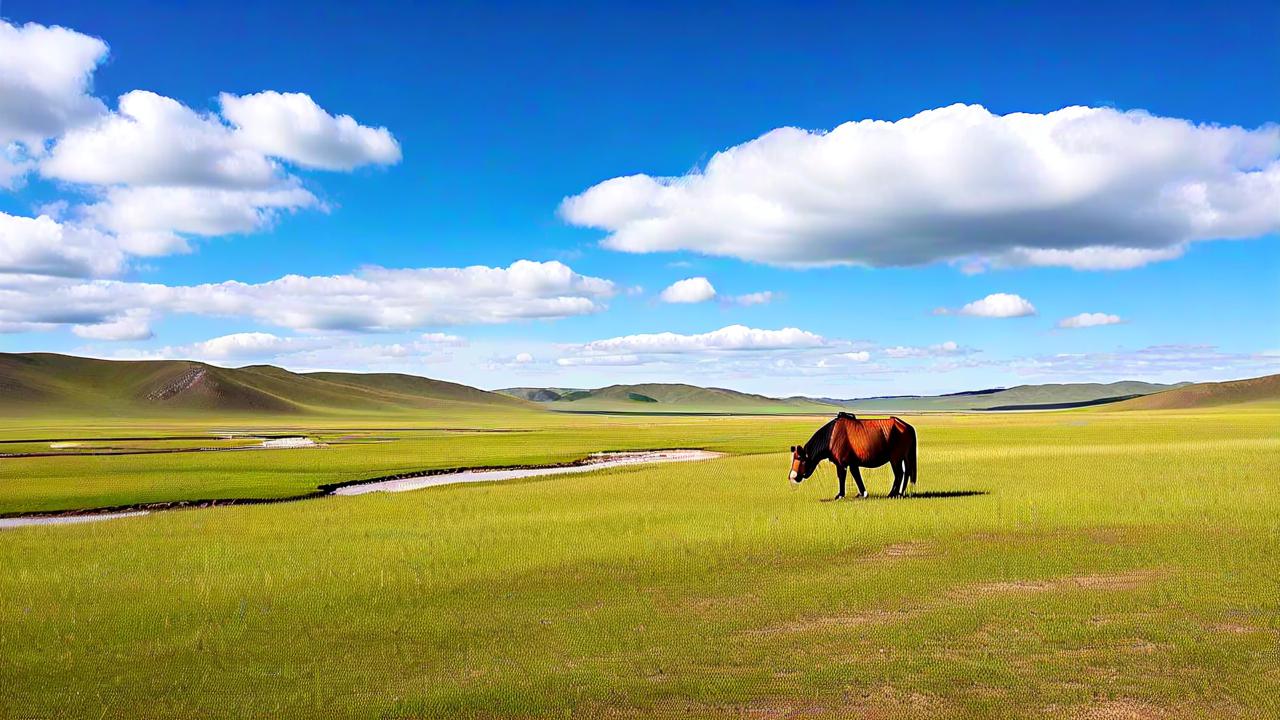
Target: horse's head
pixel 799 464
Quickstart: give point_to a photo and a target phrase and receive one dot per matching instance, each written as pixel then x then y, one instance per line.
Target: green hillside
pixel 1021 397
pixel 1264 389
pixel 46 383
pixel 679 398
pixel 537 394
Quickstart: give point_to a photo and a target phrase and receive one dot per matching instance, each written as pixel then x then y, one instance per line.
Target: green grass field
pixel 1083 564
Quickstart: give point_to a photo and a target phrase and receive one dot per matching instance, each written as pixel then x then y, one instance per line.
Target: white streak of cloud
pixel 1084 320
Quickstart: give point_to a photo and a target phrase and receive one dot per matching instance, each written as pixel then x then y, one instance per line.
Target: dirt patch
pixel 830 622
pixel 1115 582
pixel 1118 581
pixel 1238 628
pixel 1110 710
pixel 905 550
pixel 872 704
pixel 1135 646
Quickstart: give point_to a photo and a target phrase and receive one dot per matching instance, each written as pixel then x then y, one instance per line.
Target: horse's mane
pixel 819 446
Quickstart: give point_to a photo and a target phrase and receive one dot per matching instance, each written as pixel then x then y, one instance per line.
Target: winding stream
pixel 417 481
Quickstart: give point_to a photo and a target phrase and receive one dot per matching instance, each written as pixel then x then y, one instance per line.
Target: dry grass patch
pixel 1131 580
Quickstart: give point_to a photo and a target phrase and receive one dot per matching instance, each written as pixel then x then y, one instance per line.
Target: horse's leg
pixel 840 474
pixel 857 477
pixel 899 481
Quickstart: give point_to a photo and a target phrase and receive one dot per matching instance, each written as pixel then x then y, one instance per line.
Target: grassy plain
pixel 1107 564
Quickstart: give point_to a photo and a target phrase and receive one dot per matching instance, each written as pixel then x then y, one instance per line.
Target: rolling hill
pixel 536 394
pixel 1021 397
pixel 43 383
pixel 665 398
pixel 1264 389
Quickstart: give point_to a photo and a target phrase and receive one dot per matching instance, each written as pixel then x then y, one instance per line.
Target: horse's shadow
pixel 928 495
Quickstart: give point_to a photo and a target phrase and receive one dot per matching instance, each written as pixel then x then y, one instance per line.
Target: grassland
pixel 1112 564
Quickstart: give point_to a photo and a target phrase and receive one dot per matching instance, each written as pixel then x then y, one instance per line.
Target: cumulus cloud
pixel 44 246
pixel 246 344
pixel 1084 320
pixel 293 127
pixel 689 290
pixel 154 140
pixel 523 358
pixel 147 218
pixel 130 325
pixel 45 78
pixel 1088 188
pixel 164 170
pixel 153 169
pixel 996 305
pixel 373 299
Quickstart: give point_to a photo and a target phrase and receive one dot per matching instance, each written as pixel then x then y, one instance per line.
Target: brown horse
pixel 850 443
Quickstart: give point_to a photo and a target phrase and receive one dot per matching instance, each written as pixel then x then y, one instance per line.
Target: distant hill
pixel 1021 397
pixel 665 398
pixel 533 394
pixel 41 383
pixel 1207 395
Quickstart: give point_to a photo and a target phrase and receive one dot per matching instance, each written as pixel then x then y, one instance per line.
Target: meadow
pixel 1079 563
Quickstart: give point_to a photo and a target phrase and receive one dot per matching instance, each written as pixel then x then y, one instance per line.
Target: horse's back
pixel 864 442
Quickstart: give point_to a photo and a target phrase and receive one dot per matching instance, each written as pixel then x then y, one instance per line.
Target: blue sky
pixel 494 114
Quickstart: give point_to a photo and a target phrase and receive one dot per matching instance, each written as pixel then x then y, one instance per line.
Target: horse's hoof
pixel 838 497
pixel 862 495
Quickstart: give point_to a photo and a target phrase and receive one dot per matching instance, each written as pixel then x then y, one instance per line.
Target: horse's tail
pixel 911 454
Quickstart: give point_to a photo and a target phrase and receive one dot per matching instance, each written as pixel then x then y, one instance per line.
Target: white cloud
pixel 443 339
pixel 689 290
pixel 601 360
pixel 1084 320
pixel 300 352
pixel 146 218
pixel 523 358
pixel 1089 188
pixel 1093 257
pixel 996 305
pixel 944 349
pixel 157 170
pixel 43 246
pixel 131 325
pixel 859 357
pixel 45 78
pixel 152 140
pixel 238 345
pixel 1167 363
pixel 732 338
pixel 755 298
pixel 293 127
pixel 373 299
